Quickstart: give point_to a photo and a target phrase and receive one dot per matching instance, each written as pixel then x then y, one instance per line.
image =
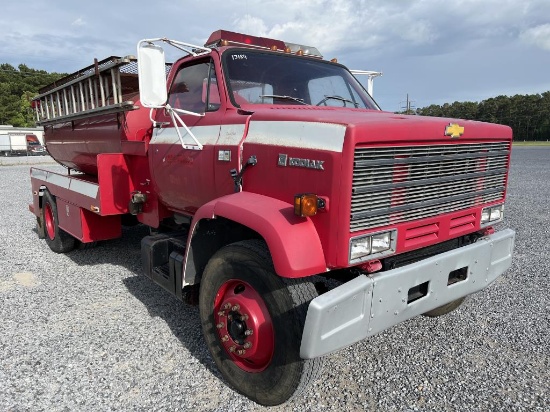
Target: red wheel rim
pixel 49 221
pixel 244 325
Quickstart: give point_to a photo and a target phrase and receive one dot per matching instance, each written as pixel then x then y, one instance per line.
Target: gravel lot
pixel 87 331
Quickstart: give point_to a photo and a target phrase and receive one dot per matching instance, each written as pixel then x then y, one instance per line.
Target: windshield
pixel 271 78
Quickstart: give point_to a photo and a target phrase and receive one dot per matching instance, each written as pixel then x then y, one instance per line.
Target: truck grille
pixel 399 184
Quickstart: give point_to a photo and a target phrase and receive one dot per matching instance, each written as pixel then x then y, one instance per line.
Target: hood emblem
pixel 454 130
pixel 285 160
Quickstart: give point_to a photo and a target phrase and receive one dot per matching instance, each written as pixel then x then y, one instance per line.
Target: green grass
pixel 538 143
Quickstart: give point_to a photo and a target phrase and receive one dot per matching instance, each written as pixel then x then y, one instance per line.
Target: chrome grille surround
pixel 399 184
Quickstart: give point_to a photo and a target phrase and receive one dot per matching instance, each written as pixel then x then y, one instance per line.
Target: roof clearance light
pixel 232 38
pixel 307 50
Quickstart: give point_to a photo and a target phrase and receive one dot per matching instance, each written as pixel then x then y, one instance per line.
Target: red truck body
pixel 390 193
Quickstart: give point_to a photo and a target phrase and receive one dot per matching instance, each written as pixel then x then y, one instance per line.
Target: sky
pixel 436 51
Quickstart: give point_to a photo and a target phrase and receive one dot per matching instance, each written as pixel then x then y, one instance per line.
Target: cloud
pixel 78 22
pixel 250 24
pixel 428 48
pixel 538 36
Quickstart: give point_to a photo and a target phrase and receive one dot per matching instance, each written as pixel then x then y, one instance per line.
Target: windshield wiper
pixel 342 99
pixel 277 96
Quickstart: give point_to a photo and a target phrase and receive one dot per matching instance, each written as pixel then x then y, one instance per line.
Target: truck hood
pixel 366 126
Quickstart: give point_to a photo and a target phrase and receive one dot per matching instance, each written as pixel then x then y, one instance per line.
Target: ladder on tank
pixel 96 89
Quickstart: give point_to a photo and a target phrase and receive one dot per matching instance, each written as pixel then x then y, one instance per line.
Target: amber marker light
pixel 307 204
pixel 287 50
pixel 274 48
pixel 335 60
pixel 300 52
pixel 225 43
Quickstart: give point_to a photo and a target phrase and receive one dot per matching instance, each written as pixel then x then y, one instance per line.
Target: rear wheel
pixel 57 239
pixel 252 322
pixel 443 310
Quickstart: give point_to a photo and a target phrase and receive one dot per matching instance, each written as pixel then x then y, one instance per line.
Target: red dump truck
pixel 301 216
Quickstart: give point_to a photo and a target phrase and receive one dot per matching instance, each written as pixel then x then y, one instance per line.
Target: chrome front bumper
pixel 368 305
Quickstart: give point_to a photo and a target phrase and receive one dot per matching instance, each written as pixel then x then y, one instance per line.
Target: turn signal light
pixel 307 204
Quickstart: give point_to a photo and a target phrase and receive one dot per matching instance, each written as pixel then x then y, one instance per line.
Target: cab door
pixel 182 174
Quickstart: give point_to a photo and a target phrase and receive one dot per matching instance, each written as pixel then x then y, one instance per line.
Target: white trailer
pixel 13 144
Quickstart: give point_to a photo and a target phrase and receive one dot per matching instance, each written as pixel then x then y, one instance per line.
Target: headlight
pixel 381 242
pixel 359 248
pixel 496 214
pixel 372 246
pixel 492 214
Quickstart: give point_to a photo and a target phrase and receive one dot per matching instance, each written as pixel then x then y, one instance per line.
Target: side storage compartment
pixel 85 225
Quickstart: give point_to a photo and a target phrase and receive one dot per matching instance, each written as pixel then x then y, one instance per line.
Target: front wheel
pixel 57 239
pixel 252 322
pixel 443 310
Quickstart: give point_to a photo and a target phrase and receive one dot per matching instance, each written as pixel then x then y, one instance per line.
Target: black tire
pixel 85 246
pixel 443 310
pixel 129 220
pixel 240 271
pixel 57 239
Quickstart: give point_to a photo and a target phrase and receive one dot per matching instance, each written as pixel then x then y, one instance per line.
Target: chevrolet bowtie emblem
pixel 454 130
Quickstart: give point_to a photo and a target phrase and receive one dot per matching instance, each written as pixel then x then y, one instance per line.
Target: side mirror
pixel 152 75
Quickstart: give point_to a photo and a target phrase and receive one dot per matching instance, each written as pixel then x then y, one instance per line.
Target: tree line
pixel 18 86
pixel 527 115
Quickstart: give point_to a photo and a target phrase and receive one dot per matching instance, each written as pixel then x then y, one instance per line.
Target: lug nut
pixel 221 313
pixel 232 349
pixel 235 308
pixel 247 345
pixel 220 325
pixel 225 338
pixel 227 306
pixel 244 317
pixel 241 352
pixel 248 332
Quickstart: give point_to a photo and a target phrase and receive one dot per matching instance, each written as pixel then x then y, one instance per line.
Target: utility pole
pixel 408 108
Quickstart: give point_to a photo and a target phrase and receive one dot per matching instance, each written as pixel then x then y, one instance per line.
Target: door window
pixel 195 88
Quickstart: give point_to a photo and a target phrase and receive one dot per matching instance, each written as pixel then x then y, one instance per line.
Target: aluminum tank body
pixel 76 144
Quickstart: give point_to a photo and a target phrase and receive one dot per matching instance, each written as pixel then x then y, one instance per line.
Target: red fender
pixel 292 240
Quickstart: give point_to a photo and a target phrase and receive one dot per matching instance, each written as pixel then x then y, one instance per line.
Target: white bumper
pixel 368 305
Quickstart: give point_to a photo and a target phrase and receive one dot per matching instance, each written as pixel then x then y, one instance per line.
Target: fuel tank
pixel 76 144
